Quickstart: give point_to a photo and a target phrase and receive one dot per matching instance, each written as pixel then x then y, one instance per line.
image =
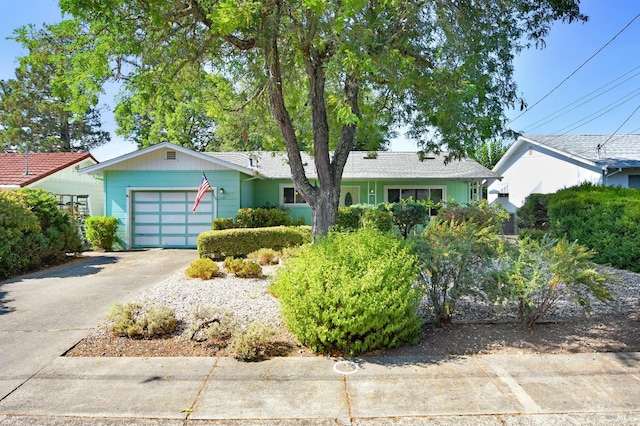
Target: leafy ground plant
pixel 210 323
pixel 242 268
pixel 536 274
pixel 135 320
pixel 264 256
pixel 203 268
pixel 252 342
pixel 455 258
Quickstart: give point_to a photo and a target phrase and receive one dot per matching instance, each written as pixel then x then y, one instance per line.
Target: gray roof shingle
pixel 387 165
pixel 618 150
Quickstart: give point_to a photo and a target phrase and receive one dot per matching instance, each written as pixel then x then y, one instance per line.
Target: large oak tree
pixel 441 67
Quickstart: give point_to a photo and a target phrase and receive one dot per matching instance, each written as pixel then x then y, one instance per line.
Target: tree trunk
pixel 324 197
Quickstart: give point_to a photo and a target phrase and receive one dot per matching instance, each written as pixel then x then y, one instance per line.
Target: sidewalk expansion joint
pixel 347 398
pixel 204 384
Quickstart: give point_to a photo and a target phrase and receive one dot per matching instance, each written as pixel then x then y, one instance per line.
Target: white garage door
pixel 164 218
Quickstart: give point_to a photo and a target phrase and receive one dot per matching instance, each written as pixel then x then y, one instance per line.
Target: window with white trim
pixel 394 194
pixel 289 196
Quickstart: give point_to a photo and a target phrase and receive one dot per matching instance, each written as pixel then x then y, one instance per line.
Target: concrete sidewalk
pixel 591 389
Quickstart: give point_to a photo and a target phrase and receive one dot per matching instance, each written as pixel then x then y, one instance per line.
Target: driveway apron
pixel 45 313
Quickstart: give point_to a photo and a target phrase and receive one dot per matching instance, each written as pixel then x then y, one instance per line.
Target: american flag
pixel 204 187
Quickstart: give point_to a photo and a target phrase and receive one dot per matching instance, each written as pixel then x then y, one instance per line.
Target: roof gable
pixel 596 150
pixel 142 157
pixel 13 166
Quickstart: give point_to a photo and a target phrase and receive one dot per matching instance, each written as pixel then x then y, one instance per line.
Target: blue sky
pixel 614 73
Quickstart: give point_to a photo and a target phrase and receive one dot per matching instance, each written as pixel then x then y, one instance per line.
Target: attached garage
pixel 164 218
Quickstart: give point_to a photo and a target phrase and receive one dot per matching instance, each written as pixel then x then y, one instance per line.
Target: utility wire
pixel 599 113
pixel 566 109
pixel 619 127
pixel 577 69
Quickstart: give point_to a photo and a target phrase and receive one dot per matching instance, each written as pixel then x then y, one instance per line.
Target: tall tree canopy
pixel 36 107
pixel 489 153
pixel 328 70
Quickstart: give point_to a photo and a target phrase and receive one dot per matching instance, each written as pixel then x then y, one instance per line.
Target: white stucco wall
pixel 533 169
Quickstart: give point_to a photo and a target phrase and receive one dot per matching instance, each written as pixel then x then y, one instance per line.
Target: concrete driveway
pixel 45 313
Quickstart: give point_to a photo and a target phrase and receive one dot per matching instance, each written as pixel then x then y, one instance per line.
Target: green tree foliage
pixel 37 106
pixel 328 69
pixel 489 153
pixel 353 292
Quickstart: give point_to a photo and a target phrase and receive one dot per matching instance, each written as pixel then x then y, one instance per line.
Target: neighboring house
pixel 546 164
pixel 152 191
pixel 56 172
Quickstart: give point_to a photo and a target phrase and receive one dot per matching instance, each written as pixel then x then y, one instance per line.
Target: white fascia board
pixel 522 140
pixel 166 145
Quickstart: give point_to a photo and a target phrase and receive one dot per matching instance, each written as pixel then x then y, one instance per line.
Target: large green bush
pixel 101 232
pixel 33 231
pixel 241 242
pixel 480 213
pixel 604 219
pixel 351 292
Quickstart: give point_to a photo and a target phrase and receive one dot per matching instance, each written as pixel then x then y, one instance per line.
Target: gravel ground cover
pixel 613 326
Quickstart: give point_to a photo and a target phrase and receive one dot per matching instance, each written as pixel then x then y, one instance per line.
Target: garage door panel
pixel 174 208
pixel 147 208
pixel 174 196
pixel 142 240
pixel 173 241
pixel 147 229
pixel 197 229
pixel 147 196
pixel 146 218
pixel 172 223
pixel 172 229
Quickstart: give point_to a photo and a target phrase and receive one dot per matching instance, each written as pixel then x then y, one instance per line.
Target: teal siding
pixel 267 192
pixel 117 183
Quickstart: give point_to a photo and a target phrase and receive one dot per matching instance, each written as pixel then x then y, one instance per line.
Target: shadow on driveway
pixel 80 267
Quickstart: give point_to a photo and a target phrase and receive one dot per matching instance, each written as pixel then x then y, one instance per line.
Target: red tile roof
pixel 41 165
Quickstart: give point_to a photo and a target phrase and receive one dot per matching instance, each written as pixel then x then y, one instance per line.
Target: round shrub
pixel 137 321
pixel 377 219
pixel 351 292
pixel 101 232
pixel 264 256
pixel 203 268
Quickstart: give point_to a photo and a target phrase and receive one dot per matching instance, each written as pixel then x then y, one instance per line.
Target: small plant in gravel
pixel 537 274
pixel 251 343
pixel 212 323
pixel 135 320
pixel 264 256
pixel 203 268
pixel 242 268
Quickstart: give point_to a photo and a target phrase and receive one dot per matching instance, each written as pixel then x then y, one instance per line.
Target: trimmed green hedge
pixel 605 219
pixel 242 241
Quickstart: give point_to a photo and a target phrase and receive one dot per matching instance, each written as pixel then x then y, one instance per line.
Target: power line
pixel 577 69
pixel 600 146
pixel 567 108
pixel 599 113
